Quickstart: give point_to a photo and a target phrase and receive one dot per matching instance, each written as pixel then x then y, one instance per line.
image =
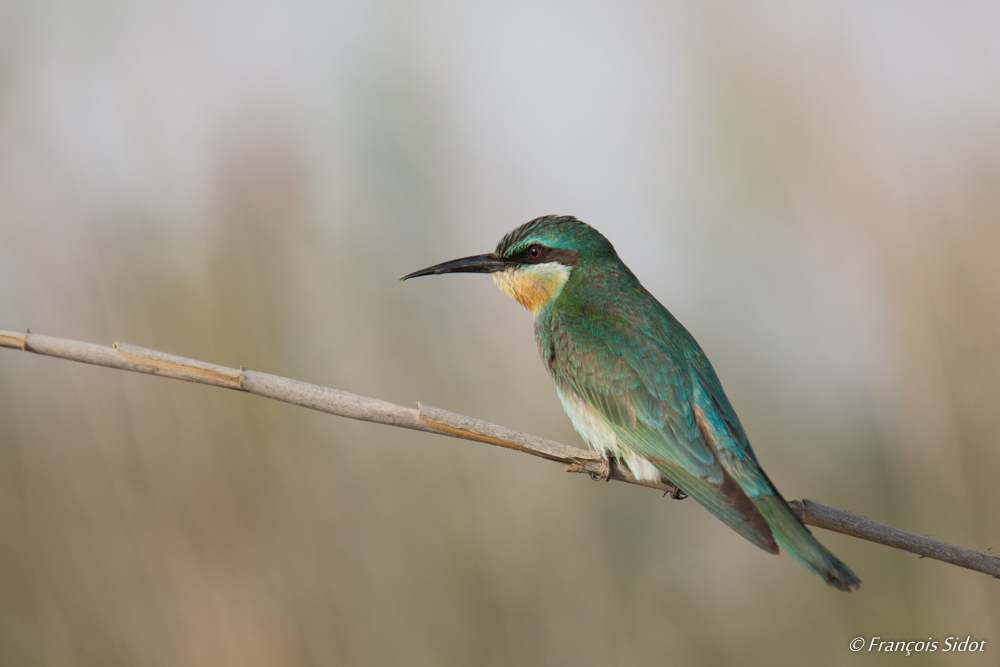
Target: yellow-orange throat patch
pixel 535 285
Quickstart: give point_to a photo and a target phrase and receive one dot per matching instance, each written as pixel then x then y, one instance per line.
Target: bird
pixel 635 383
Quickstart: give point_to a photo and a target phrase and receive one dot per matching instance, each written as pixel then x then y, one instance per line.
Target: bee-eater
pixel 636 384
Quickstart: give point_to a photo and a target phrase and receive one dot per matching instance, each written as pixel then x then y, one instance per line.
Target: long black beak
pixel 476 264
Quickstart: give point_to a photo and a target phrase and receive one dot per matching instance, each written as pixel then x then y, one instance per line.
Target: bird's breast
pixel 596 433
pixel 590 425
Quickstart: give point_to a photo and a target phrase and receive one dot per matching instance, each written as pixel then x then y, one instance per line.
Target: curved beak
pixel 475 264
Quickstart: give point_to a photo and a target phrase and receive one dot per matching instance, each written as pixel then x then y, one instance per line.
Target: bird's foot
pixel 676 493
pixel 604 474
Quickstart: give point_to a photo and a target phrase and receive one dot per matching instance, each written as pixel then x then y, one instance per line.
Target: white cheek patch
pixel 554 275
pixel 535 285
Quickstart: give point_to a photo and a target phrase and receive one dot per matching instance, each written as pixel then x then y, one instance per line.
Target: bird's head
pixel 533 262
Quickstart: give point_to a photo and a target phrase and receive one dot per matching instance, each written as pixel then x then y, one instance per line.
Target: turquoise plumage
pixel 637 385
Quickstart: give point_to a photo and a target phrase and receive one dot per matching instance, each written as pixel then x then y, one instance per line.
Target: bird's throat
pixel 533 286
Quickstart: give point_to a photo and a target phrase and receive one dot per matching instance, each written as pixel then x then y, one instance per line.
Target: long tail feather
pixel 802 546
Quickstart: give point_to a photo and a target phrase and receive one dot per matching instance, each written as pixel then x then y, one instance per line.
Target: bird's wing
pixel 722 428
pixel 648 379
pixel 637 366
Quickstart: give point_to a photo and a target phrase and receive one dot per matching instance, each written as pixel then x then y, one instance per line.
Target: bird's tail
pixel 765 518
pixel 792 534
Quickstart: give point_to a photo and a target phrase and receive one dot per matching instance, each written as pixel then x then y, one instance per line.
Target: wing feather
pixel 624 354
pixel 633 381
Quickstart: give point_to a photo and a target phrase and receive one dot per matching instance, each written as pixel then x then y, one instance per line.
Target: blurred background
pixel 814 190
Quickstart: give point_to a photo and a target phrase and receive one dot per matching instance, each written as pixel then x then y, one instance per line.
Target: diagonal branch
pixel 443 422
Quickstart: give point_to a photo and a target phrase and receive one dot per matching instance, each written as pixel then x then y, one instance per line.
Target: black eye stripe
pixel 545 254
pixel 533 254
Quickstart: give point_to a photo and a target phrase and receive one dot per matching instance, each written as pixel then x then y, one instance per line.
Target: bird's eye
pixel 535 251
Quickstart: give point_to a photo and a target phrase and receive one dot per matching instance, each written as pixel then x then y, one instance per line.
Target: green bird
pixel 635 383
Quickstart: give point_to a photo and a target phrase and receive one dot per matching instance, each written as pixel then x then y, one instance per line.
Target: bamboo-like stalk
pixel 443 422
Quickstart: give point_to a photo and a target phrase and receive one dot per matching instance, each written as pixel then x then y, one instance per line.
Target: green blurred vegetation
pixel 813 190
